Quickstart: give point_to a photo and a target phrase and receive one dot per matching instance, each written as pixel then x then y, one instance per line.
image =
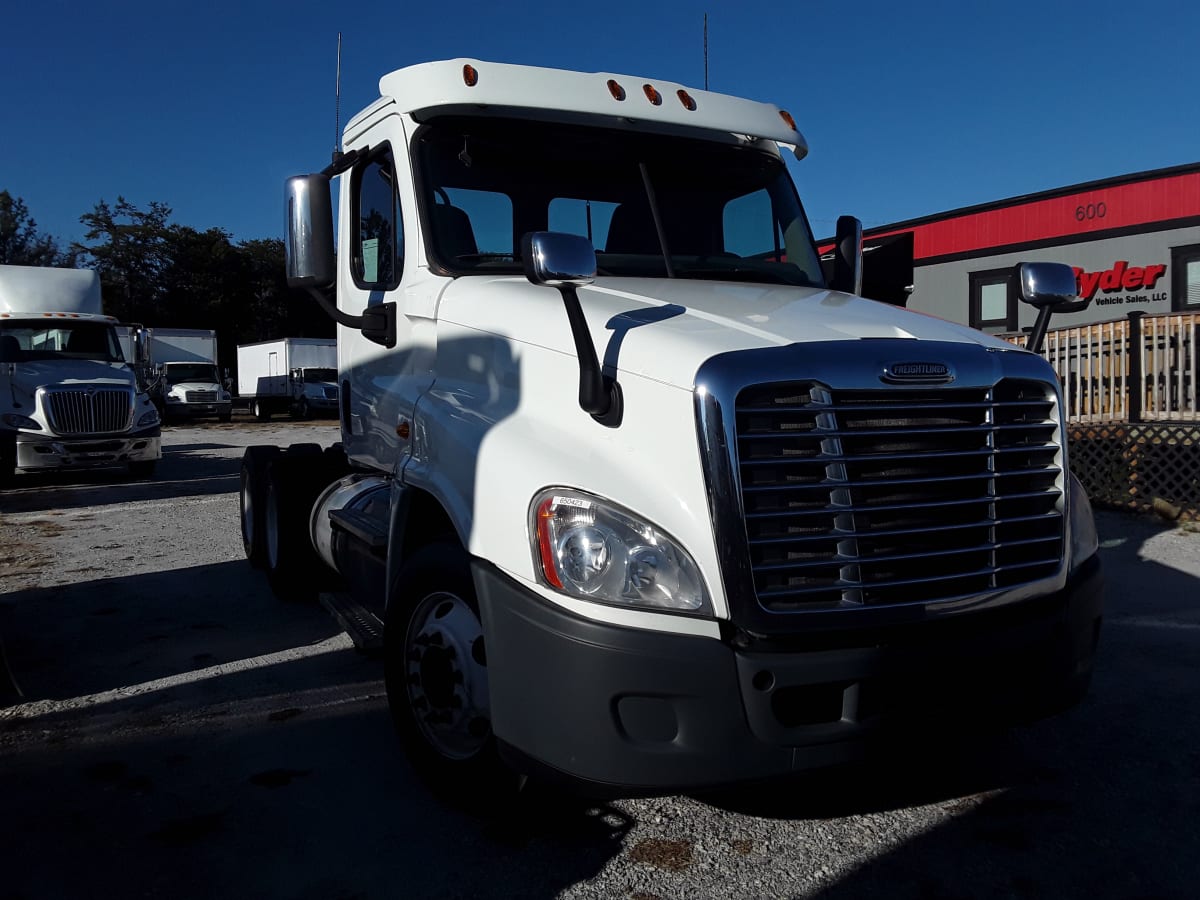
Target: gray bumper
pixel 618 708
pixel 42 452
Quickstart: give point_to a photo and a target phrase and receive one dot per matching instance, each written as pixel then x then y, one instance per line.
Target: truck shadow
pixel 1099 802
pixel 236 746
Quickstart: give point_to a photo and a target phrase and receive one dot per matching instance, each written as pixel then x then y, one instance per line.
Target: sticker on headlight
pixel 576 502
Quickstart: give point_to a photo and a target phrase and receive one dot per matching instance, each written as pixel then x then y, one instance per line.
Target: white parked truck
pixel 289 374
pixel 68 398
pixel 642 499
pixel 185 381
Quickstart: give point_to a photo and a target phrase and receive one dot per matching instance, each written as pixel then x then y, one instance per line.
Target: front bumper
pixel 42 452
pixel 198 410
pixel 627 710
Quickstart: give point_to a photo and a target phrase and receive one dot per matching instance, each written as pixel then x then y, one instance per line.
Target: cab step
pixel 364 627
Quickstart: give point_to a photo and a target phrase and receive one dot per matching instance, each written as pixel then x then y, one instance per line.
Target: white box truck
pixel 289 374
pixel 184 378
pixel 642 499
pixel 68 399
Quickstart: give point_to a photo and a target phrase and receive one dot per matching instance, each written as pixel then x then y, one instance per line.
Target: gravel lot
pixel 183 734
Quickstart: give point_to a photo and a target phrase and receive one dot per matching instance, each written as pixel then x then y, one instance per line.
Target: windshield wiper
pixel 657 216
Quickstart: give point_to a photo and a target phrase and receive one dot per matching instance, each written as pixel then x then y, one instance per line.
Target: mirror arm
pixel 1037 337
pixel 599 396
pixel 377 323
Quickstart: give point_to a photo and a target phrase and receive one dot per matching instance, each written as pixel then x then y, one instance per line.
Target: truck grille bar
pixel 89 410
pixel 200 396
pixel 874 497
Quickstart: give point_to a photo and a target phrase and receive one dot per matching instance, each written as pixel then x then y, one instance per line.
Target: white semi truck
pixel 289 374
pixel 184 379
pixel 641 498
pixel 68 398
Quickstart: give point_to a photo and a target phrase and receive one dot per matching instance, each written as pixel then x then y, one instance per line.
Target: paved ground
pixel 183 734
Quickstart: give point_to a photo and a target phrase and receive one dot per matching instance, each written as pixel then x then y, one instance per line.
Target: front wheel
pixel 435 670
pixel 261 410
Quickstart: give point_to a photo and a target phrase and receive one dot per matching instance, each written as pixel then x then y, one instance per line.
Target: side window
pixel 378 241
pixel 993 301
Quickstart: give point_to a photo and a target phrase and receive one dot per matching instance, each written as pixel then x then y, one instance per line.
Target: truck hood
pixel 666 329
pixel 41 373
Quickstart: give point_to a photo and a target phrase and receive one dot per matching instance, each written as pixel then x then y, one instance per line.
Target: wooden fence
pixel 1138 369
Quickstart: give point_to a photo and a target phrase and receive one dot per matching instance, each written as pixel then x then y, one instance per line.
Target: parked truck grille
pixel 882 497
pixel 89 410
pixel 200 396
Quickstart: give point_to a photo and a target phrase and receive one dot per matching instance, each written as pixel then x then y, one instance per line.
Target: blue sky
pixel 909 108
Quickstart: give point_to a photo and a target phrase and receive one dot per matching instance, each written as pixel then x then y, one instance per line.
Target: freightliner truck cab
pixel 641 498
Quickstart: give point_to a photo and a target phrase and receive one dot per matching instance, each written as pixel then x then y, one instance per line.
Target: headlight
pixel 1084 540
pixel 592 549
pixel 15 421
pixel 148 418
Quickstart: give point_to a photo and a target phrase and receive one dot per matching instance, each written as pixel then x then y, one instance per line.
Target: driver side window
pixel 378 237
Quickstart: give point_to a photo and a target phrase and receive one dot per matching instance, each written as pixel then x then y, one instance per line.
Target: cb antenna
pixel 705 51
pixel 337 105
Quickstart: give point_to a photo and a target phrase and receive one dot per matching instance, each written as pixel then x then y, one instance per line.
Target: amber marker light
pixel 618 92
pixel 544 514
pixel 787 117
pixel 652 94
pixel 470 76
pixel 688 101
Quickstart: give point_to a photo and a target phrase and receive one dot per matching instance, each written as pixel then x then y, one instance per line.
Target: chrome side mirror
pixel 1050 288
pixel 308 240
pixel 1042 284
pixel 554 259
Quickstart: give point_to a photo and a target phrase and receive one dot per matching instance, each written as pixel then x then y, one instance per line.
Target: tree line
pixel 159 273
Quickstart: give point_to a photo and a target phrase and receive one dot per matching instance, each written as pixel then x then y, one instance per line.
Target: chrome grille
pixel 89 411
pixel 200 396
pixel 881 497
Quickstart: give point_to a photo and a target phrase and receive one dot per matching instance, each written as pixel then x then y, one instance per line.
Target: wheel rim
pixel 446 671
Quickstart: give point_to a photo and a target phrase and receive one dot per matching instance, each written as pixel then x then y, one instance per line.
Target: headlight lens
pixel 15 421
pixel 595 550
pixel 1084 540
pixel 148 418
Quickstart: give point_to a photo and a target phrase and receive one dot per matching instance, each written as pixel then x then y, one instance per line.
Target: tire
pixel 294 480
pixel 253 499
pixel 435 671
pixel 143 470
pixel 305 412
pixel 8 459
pixel 261 410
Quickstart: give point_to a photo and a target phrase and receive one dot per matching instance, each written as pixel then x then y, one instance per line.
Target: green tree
pixel 129 248
pixel 20 242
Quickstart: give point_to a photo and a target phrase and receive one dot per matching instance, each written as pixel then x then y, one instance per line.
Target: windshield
pixel 319 376
pixel 205 372
pixel 727 210
pixel 32 341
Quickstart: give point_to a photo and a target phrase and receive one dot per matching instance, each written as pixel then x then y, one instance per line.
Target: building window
pixel 1185 278
pixel 993 301
pixel 378 237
